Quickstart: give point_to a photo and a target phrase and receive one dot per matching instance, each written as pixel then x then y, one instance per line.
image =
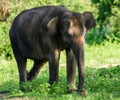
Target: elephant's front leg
pixel 78 50
pixel 54 66
pixel 71 70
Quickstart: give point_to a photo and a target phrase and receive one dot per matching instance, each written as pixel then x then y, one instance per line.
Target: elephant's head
pixel 73 27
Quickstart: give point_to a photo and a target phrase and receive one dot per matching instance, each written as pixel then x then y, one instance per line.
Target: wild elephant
pixel 42 33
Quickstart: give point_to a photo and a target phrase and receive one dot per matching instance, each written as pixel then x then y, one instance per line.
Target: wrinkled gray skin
pixel 42 33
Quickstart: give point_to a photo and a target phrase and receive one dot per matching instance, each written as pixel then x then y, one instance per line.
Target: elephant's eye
pixel 74 29
pixel 65 26
pixel 67 23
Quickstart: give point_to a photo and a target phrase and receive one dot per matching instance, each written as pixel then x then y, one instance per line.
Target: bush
pixel 108 19
pixel 5 49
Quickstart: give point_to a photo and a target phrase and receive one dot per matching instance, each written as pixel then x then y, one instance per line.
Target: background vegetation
pixel 107 13
pixel 102 50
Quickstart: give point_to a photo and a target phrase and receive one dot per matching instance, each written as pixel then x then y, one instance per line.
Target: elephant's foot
pixel 83 92
pixel 31 76
pixel 72 88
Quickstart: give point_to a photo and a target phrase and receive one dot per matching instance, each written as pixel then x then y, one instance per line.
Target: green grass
pixel 102 78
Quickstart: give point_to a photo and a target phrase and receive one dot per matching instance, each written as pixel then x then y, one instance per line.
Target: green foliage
pixel 108 19
pixel 5 49
pixel 97 36
pixel 58 89
pixel 104 81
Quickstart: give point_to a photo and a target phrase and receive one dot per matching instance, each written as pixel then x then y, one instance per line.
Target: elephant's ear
pixel 89 20
pixel 52 25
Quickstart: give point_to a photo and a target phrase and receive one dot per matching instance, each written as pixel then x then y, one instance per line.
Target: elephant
pixel 41 33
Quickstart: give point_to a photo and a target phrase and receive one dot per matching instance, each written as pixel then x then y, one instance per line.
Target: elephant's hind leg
pixel 35 70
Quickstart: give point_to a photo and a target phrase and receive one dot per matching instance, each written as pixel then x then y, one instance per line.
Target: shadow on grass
pixel 104 81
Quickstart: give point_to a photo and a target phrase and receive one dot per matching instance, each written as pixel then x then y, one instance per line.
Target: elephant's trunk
pixel 78 50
